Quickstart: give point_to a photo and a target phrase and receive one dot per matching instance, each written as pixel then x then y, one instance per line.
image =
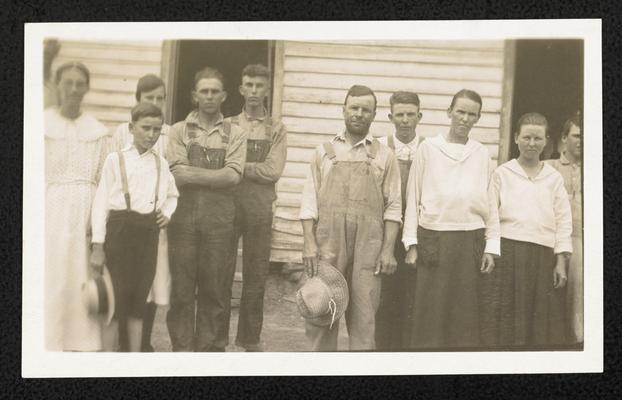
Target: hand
pixel 411 256
pixel 182 173
pixel 386 263
pixel 488 263
pixel 98 258
pixel 162 220
pixel 310 257
pixel 559 273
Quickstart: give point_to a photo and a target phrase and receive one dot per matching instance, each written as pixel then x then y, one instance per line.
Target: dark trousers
pixel 200 236
pixel 253 222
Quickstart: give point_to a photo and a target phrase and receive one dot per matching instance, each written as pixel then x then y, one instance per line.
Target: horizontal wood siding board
pixel 337 96
pixel 335 112
pixel 456 45
pixel 393 69
pixel 112 53
pixel 286 256
pixel 392 53
pixel 122 44
pixel 113 68
pixel 427 85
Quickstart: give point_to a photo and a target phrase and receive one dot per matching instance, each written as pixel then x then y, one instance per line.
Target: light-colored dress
pixel 74 154
pixel 161 290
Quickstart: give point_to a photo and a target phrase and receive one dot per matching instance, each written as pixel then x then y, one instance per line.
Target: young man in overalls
pixel 265 159
pixel 351 212
pixel 207 156
pixel 393 319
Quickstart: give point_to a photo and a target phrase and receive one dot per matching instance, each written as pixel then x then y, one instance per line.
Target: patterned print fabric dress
pixel 74 154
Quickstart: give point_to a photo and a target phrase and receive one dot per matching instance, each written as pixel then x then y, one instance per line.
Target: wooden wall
pixel 312 78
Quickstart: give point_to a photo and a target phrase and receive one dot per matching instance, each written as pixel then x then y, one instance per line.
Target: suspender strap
pixel 226 128
pixel 330 152
pixel 126 192
pixel 373 149
pixel 268 128
pixel 157 188
pixel 391 142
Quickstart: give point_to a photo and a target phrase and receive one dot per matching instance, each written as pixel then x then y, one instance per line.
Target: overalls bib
pixel 349 235
pixel 200 234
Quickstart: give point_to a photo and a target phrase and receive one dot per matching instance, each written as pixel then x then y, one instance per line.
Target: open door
pixel 227 56
pixel 548 79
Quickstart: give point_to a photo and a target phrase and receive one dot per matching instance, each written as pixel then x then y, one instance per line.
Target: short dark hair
pixel 209 73
pixel 360 90
pixel 404 98
pixel 70 65
pixel 532 118
pixel 143 110
pixel 575 120
pixel 256 70
pixel 148 83
pixel 467 94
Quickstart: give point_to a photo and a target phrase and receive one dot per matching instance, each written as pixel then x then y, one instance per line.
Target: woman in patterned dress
pixel 76 145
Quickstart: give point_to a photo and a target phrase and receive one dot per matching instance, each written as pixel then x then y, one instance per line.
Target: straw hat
pixel 98 295
pixel 323 299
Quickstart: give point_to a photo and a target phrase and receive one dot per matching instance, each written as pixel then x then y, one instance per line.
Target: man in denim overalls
pixel 351 212
pixel 207 156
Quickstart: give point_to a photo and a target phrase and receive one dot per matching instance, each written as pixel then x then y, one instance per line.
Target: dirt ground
pixel 283 327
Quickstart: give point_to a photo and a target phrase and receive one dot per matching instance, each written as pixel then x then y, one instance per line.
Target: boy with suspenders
pixel 135 198
pixel 393 319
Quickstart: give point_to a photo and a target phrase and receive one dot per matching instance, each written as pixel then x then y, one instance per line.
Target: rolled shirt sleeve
pixel 392 191
pixel 271 169
pixel 563 219
pixel 235 156
pixel 308 204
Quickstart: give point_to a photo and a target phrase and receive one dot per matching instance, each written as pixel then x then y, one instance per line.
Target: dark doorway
pixel 227 56
pixel 548 80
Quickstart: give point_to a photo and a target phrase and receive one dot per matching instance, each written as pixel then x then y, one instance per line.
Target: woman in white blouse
pixel 444 226
pixel 523 298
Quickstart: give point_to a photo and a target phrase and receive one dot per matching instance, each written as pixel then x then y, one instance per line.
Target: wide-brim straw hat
pixel 98 296
pixel 323 299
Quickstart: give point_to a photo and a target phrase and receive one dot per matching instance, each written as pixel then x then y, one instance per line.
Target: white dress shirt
pixel 141 180
pixel 403 151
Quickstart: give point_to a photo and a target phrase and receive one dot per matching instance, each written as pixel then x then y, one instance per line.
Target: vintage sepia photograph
pixel 409 196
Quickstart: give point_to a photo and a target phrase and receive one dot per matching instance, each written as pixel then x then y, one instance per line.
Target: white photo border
pixel 36 362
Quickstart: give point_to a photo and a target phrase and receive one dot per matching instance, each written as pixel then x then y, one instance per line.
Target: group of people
pixel 149 201
pixel 437 252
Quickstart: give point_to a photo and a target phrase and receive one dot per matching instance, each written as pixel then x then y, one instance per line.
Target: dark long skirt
pixel 394 315
pixel 520 306
pixel 446 311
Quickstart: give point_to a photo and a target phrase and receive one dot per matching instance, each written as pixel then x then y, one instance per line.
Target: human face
pixel 146 132
pixel 531 141
pixel 155 97
pixel 405 117
pixel 573 141
pixel 254 90
pixel 464 114
pixel 72 87
pixel 358 113
pixel 209 94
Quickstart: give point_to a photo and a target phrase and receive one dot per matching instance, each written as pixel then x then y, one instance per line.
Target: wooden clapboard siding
pixel 312 79
pixel 115 68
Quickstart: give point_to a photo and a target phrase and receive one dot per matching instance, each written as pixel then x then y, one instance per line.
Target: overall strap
pixel 226 128
pixel 330 152
pixel 373 150
pixel 126 192
pixel 391 142
pixel 268 128
pixel 157 187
